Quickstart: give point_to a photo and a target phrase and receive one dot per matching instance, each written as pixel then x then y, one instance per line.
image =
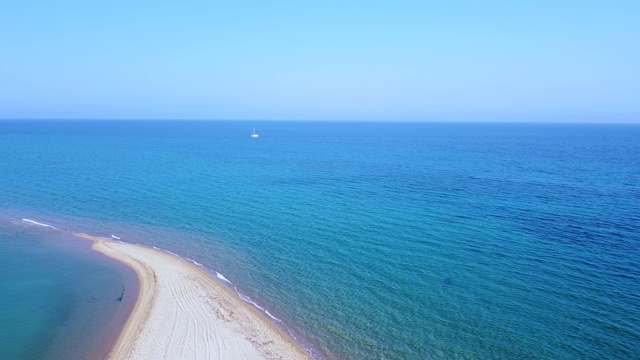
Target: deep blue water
pixel 371 240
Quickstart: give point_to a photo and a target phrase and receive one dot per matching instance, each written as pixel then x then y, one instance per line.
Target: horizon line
pixel 635 121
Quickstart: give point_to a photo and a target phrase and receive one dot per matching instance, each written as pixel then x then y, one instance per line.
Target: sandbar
pixel 183 313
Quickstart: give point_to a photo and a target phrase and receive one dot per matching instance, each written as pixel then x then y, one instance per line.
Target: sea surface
pixel 58 300
pixel 365 240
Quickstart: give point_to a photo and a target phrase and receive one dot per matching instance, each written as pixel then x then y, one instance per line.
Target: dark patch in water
pixel 121 296
pixel 447 281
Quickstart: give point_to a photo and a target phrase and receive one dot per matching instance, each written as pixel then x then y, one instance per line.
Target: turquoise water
pixel 369 240
pixel 58 300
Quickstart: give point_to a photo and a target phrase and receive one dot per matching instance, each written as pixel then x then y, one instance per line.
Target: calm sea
pixel 58 299
pixel 367 240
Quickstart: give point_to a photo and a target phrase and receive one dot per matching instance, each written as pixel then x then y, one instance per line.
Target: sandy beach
pixel 183 313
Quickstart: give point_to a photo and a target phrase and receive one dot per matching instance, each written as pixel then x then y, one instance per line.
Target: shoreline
pixel 181 311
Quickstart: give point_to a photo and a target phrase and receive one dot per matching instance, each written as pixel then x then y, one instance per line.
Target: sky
pixel 321 60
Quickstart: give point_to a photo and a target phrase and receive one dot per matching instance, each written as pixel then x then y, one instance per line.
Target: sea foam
pixel 195 262
pixel 221 277
pixel 39 224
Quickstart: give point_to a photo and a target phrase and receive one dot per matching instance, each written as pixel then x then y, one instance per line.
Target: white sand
pixel 183 313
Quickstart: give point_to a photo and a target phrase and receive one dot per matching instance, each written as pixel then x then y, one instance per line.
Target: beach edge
pixel 250 327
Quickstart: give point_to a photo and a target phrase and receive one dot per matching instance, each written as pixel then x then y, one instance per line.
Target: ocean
pixel 58 300
pixel 366 240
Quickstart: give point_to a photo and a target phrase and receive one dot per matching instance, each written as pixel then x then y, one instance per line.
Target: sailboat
pixel 253 134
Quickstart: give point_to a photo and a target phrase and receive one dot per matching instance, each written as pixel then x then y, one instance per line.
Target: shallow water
pixel 58 299
pixel 371 240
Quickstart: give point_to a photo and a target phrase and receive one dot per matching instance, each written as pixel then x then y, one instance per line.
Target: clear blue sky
pixel 352 60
